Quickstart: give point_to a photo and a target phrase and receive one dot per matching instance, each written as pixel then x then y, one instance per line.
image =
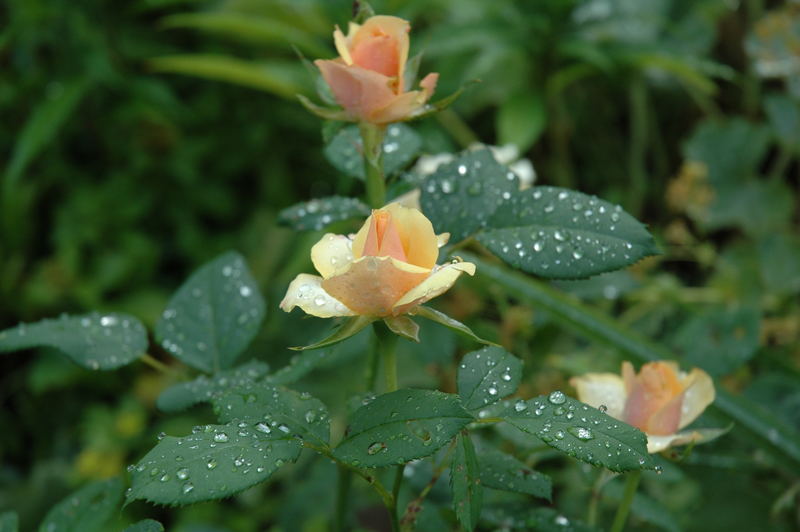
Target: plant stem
pixel 594 498
pixel 631 483
pixel 342 498
pixel 158 365
pixel 457 128
pixel 372 140
pixel 387 345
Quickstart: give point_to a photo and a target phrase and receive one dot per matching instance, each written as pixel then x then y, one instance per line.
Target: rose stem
pixel 631 484
pixel 372 140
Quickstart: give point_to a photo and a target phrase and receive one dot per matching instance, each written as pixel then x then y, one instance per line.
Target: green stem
pixel 457 128
pixel 342 498
pixel 372 140
pixel 159 366
pixel 594 498
pixel 387 345
pixel 631 484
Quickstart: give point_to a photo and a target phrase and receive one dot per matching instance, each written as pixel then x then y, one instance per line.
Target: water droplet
pixel 319 301
pixel 506 377
pixel 310 416
pixel 560 435
pixel 462 169
pixel 220 437
pixel 557 397
pixel 376 447
pixel 520 405
pixel 182 474
pixel 211 464
pixel 245 291
pixel 582 433
pixel 161 435
pixel 492 390
pixel 603 408
pixel 164 477
pixel 188 487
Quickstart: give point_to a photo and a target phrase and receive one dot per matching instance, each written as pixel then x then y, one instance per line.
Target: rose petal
pixel 439 281
pixel 698 394
pixel 399 108
pixel 331 254
pixel 656 444
pixel 667 419
pixel 372 285
pixel 428 84
pixel 442 239
pixel 656 385
pixel 395 28
pixel 597 389
pixel 307 293
pixel 415 231
pixel 360 91
pixel 342 46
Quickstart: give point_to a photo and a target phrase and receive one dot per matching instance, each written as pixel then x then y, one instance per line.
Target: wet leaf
pixel 465 481
pixel 400 146
pixel 319 213
pixel 87 510
pixel 487 375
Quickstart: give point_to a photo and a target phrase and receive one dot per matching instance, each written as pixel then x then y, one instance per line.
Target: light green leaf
pixel 521 120
pixel 465 482
pixel 348 328
pixel 460 197
pixel 563 234
pixel 401 426
pixel 276 409
pixel 94 341
pixel 317 214
pixel 582 432
pixel 502 471
pixel 487 375
pixel 400 145
pixel 9 522
pixel 148 525
pixel 213 316
pixel 443 319
pixel 282 78
pixel 87 510
pixel 203 389
pixel 213 462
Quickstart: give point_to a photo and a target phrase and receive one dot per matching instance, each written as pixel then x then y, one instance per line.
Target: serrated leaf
pixel 203 389
pixel 87 510
pixel 148 525
pixel 94 341
pixel 401 426
pixel 400 145
pixel 582 432
pixel 461 196
pixel 487 375
pixel 502 471
pixel 214 462
pixel 349 327
pixel 276 409
pixel 213 316
pixel 465 481
pixel 9 522
pixel 317 214
pixel 443 319
pixel 562 234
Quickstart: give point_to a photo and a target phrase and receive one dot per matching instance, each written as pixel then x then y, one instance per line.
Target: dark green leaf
pixel 213 316
pixel 299 366
pixel 443 319
pixel 276 409
pixel 214 462
pixel 94 341
pixel 779 255
pixel 523 517
pixel 487 375
pixel 319 213
pixel 502 471
pixel 87 510
pixel 521 120
pixel 465 482
pixel 400 145
pixel 563 234
pixel 401 426
pixel 203 389
pixel 348 328
pixel 581 431
pixel 460 197
pixel 734 206
pixel 9 522
pixel 148 525
pixel 784 117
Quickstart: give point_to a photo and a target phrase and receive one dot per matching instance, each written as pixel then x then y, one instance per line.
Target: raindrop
pixel 188 487
pixel 182 474
pixel 376 447
pixel 557 397
pixel 220 437
pixel 582 433
pixel 492 390
pixel 211 464
pixel 520 405
pixel 603 408
pixel 245 291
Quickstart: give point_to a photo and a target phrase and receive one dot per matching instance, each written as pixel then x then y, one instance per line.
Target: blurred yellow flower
pixel 386 269
pixel 659 400
pixel 367 79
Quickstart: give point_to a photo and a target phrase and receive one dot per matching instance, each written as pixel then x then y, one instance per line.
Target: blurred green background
pixel 142 138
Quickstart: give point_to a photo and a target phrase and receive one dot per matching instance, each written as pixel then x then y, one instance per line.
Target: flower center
pixel 383 238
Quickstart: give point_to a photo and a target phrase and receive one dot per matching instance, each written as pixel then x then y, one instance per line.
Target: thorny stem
pixel 372 141
pixel 631 483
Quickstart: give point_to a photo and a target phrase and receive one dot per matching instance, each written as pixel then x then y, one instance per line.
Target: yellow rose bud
pixel 386 269
pixel 367 78
pixel 659 400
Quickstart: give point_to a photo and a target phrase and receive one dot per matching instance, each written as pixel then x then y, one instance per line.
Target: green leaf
pixel 766 429
pixel 348 328
pixel 87 510
pixel 402 426
pixel 784 118
pixel 720 340
pixel 502 471
pixel 276 409
pixel 299 366
pixel 443 319
pixel 9 522
pixel 213 316
pixel 248 28
pixel 461 196
pixel 582 432
pixel 317 214
pixel 213 462
pixel 487 375
pixel 400 146
pixel 779 256
pixel 521 120
pixel 523 517
pixel 733 206
pixel 465 482
pixel 203 389
pixel 94 341
pixel 148 525
pixel 563 234
pixel 403 326
pixel 282 78
pixel 326 113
